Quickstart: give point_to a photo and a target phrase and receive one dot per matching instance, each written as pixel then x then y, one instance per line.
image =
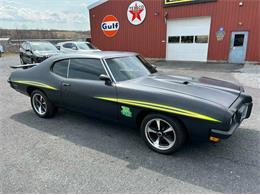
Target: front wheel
pixel 41 105
pixel 162 133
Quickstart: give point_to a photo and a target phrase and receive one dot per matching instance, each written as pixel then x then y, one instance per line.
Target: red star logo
pixel 136 13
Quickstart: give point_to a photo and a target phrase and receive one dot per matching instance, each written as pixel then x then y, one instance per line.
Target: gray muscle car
pixel 124 87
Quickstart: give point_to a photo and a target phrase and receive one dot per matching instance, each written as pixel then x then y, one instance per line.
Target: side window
pixel 73 45
pixel 67 45
pixel 89 69
pixel 61 68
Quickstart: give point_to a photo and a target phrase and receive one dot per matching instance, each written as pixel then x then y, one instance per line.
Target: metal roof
pixel 93 5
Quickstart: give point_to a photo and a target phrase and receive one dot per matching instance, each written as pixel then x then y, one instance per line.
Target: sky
pixel 45 14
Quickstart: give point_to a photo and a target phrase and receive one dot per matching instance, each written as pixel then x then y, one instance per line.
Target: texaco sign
pixel 136 13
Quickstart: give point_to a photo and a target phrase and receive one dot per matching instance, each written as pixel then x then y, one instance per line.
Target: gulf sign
pixel 110 25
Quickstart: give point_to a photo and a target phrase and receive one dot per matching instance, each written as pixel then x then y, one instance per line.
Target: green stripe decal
pixel 36 84
pixel 160 107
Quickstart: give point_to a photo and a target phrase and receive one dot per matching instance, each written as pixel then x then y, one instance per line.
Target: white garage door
pixel 187 39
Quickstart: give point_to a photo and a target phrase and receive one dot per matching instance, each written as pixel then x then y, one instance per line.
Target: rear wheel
pixel 41 105
pixel 162 134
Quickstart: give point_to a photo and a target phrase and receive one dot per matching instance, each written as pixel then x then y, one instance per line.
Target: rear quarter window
pixel 61 68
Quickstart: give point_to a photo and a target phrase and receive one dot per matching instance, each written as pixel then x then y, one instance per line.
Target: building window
pixel 239 40
pixel 201 39
pixel 186 39
pixel 173 39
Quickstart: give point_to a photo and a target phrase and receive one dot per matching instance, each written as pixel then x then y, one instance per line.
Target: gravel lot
pixel 75 154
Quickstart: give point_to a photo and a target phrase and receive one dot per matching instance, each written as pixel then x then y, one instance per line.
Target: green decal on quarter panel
pixel 126 111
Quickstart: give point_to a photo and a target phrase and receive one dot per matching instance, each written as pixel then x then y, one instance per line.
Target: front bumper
pixel 241 115
pixel 41 59
pixel 224 134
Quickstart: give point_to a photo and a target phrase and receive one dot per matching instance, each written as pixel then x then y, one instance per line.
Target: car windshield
pixel 131 67
pixel 43 47
pixel 86 46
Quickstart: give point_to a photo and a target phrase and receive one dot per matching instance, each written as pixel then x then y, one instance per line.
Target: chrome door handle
pixel 66 84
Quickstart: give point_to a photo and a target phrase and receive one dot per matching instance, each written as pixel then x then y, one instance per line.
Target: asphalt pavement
pixel 72 153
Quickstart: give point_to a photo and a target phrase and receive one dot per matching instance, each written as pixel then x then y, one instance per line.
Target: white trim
pixel 93 5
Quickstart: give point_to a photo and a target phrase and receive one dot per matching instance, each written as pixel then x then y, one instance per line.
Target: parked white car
pixel 1 50
pixel 76 46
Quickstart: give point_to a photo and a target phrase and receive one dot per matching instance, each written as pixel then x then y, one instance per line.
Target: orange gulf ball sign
pixel 110 25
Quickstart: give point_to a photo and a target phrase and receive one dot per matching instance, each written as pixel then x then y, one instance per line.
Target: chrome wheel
pixel 160 134
pixel 39 104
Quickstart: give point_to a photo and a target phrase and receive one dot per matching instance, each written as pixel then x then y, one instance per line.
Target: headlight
pixel 233 119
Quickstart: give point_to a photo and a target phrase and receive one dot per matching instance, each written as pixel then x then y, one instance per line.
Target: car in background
pixel 76 47
pixel 1 50
pixel 36 52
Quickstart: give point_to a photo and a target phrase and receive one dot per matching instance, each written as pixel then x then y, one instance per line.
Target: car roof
pixel 61 43
pixel 38 42
pixel 96 54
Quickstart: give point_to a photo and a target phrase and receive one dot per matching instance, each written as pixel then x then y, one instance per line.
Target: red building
pixel 192 30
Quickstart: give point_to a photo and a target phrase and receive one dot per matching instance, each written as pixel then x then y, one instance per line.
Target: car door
pixel 82 87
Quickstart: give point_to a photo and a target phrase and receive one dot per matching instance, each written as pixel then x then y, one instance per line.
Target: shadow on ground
pixel 220 168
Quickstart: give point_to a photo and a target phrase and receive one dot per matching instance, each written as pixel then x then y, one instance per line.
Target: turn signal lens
pixel 214 139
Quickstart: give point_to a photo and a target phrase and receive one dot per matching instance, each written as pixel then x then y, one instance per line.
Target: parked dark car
pixel 125 88
pixel 36 52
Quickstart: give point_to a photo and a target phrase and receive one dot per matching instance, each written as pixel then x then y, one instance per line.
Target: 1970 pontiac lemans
pixel 125 87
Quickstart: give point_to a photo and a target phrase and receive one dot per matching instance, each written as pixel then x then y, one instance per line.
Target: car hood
pixel 46 53
pixel 221 92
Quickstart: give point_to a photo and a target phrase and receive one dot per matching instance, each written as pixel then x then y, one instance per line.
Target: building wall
pixel 149 38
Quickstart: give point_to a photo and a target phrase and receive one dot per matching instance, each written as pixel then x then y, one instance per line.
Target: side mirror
pixel 154 66
pixel 105 78
pixel 74 48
